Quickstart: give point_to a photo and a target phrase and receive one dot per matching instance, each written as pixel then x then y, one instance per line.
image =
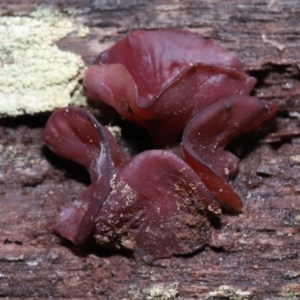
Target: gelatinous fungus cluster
pixel 173 83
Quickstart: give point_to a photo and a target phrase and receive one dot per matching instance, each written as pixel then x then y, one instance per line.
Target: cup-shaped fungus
pixel 211 130
pixel 156 204
pixel 161 79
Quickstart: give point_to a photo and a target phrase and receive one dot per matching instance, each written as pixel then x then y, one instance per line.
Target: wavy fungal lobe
pixel 177 85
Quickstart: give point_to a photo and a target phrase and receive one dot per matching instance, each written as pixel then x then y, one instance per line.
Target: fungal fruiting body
pixel 161 79
pixel 153 204
pixel 172 83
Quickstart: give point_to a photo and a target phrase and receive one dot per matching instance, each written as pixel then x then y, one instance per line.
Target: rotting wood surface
pixel 254 254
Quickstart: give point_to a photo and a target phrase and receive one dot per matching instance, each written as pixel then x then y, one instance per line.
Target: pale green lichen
pixel 35 76
pixel 115 130
pixel 157 291
pixel 161 292
pixel 230 293
pixel 290 291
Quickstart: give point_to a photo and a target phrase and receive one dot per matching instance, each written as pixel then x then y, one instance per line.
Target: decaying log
pixel 254 255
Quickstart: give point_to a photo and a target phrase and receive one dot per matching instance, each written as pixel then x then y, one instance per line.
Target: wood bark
pixel 255 254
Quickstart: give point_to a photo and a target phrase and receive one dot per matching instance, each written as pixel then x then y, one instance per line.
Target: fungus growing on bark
pixel 211 130
pixel 153 204
pixel 161 79
pixel 156 204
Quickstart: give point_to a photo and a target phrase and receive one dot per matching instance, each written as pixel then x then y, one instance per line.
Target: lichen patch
pixel 36 76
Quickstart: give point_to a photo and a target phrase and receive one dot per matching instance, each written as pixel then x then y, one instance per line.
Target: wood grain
pixel 256 252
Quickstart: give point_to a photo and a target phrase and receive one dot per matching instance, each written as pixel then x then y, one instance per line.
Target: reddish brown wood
pixel 256 251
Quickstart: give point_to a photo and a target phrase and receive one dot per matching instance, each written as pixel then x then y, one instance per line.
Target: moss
pixel 35 75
